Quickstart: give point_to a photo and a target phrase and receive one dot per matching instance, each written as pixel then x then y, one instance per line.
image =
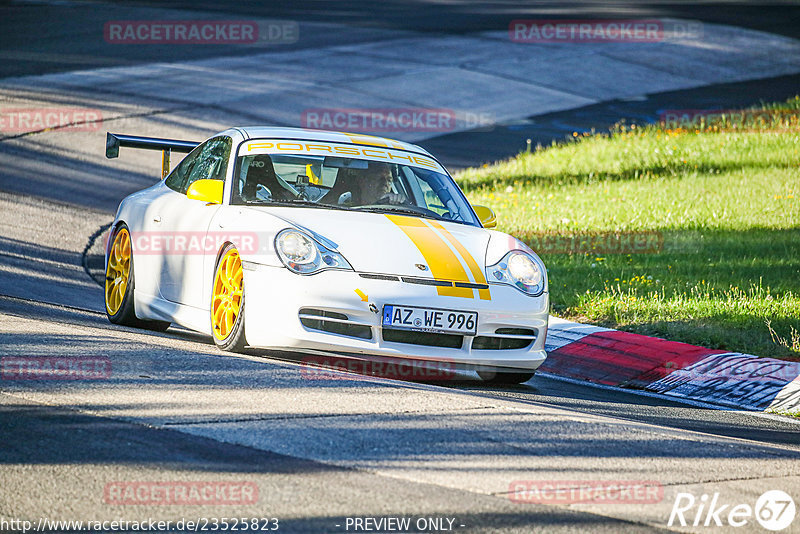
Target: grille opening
pixel 344 329
pixel 505 343
pixel 322 313
pixel 422 281
pixel 470 285
pixel 429 339
pixel 516 331
pixel 426 281
pixel 379 277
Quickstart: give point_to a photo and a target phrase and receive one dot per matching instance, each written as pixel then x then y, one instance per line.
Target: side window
pixel 177 177
pixel 208 161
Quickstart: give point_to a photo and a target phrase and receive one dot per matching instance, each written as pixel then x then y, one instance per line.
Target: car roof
pixel 257 132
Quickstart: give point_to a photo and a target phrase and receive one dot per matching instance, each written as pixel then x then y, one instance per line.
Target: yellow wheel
pixel 227 301
pixel 120 283
pixel 118 271
pixel 119 303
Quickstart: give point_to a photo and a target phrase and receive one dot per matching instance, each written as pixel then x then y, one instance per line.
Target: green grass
pixel 787 414
pixel 725 198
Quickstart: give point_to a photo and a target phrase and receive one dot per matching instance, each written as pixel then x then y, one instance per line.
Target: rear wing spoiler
pixel 166 146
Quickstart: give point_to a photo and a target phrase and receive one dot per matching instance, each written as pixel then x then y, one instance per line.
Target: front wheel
pixel 504 378
pixel 227 302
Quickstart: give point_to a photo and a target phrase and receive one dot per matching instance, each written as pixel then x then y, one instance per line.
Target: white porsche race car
pixel 324 243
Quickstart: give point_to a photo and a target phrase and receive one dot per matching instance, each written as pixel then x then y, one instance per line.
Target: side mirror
pixel 208 191
pixel 486 215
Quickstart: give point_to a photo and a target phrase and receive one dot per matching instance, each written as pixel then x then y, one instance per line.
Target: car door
pixel 184 222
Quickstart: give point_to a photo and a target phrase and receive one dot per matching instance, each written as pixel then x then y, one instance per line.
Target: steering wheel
pixel 387 199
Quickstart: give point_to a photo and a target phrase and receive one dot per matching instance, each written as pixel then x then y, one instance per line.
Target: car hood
pixel 397 244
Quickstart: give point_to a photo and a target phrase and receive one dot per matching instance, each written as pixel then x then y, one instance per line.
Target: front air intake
pixel 333 323
pixel 505 339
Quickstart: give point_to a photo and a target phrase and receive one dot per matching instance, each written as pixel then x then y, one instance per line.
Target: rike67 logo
pixel 774 510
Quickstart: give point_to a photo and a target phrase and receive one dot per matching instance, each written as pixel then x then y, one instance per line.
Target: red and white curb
pixel 622 359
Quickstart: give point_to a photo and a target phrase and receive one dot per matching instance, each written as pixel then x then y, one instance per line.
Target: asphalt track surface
pixel 176 410
pixel 80 24
pixel 780 17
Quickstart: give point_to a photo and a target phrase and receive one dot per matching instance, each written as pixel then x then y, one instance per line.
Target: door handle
pixel 157 219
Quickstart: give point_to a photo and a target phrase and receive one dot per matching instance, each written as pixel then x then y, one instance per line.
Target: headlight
pixel 303 255
pixel 523 270
pixel 520 270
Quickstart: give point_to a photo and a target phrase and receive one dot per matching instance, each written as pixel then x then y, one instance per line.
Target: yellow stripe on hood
pixel 474 268
pixel 441 260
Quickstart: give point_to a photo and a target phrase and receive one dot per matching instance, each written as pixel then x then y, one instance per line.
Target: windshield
pixel 349 183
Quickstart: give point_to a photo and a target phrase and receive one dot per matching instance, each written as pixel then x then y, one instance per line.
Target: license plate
pixel 430 320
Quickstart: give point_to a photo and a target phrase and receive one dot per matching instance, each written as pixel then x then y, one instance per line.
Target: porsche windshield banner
pixel 377 150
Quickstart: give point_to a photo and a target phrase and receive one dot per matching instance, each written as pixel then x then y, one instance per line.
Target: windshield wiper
pixel 400 209
pixel 298 202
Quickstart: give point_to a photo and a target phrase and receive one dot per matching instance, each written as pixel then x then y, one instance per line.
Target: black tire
pixel 235 341
pixel 504 378
pixel 155 326
pixel 126 314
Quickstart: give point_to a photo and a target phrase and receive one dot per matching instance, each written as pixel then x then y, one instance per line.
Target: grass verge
pixel 715 207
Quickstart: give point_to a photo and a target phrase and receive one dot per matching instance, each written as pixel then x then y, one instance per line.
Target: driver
pixel 362 187
pixel 374 186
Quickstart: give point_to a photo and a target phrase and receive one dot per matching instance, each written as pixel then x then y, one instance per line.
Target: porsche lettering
pixel 384 154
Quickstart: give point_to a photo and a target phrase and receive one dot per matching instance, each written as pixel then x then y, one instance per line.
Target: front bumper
pixel 274 298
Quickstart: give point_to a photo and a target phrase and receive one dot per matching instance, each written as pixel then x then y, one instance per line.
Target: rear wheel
pixel 120 284
pixel 119 278
pixel 504 378
pixel 227 302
